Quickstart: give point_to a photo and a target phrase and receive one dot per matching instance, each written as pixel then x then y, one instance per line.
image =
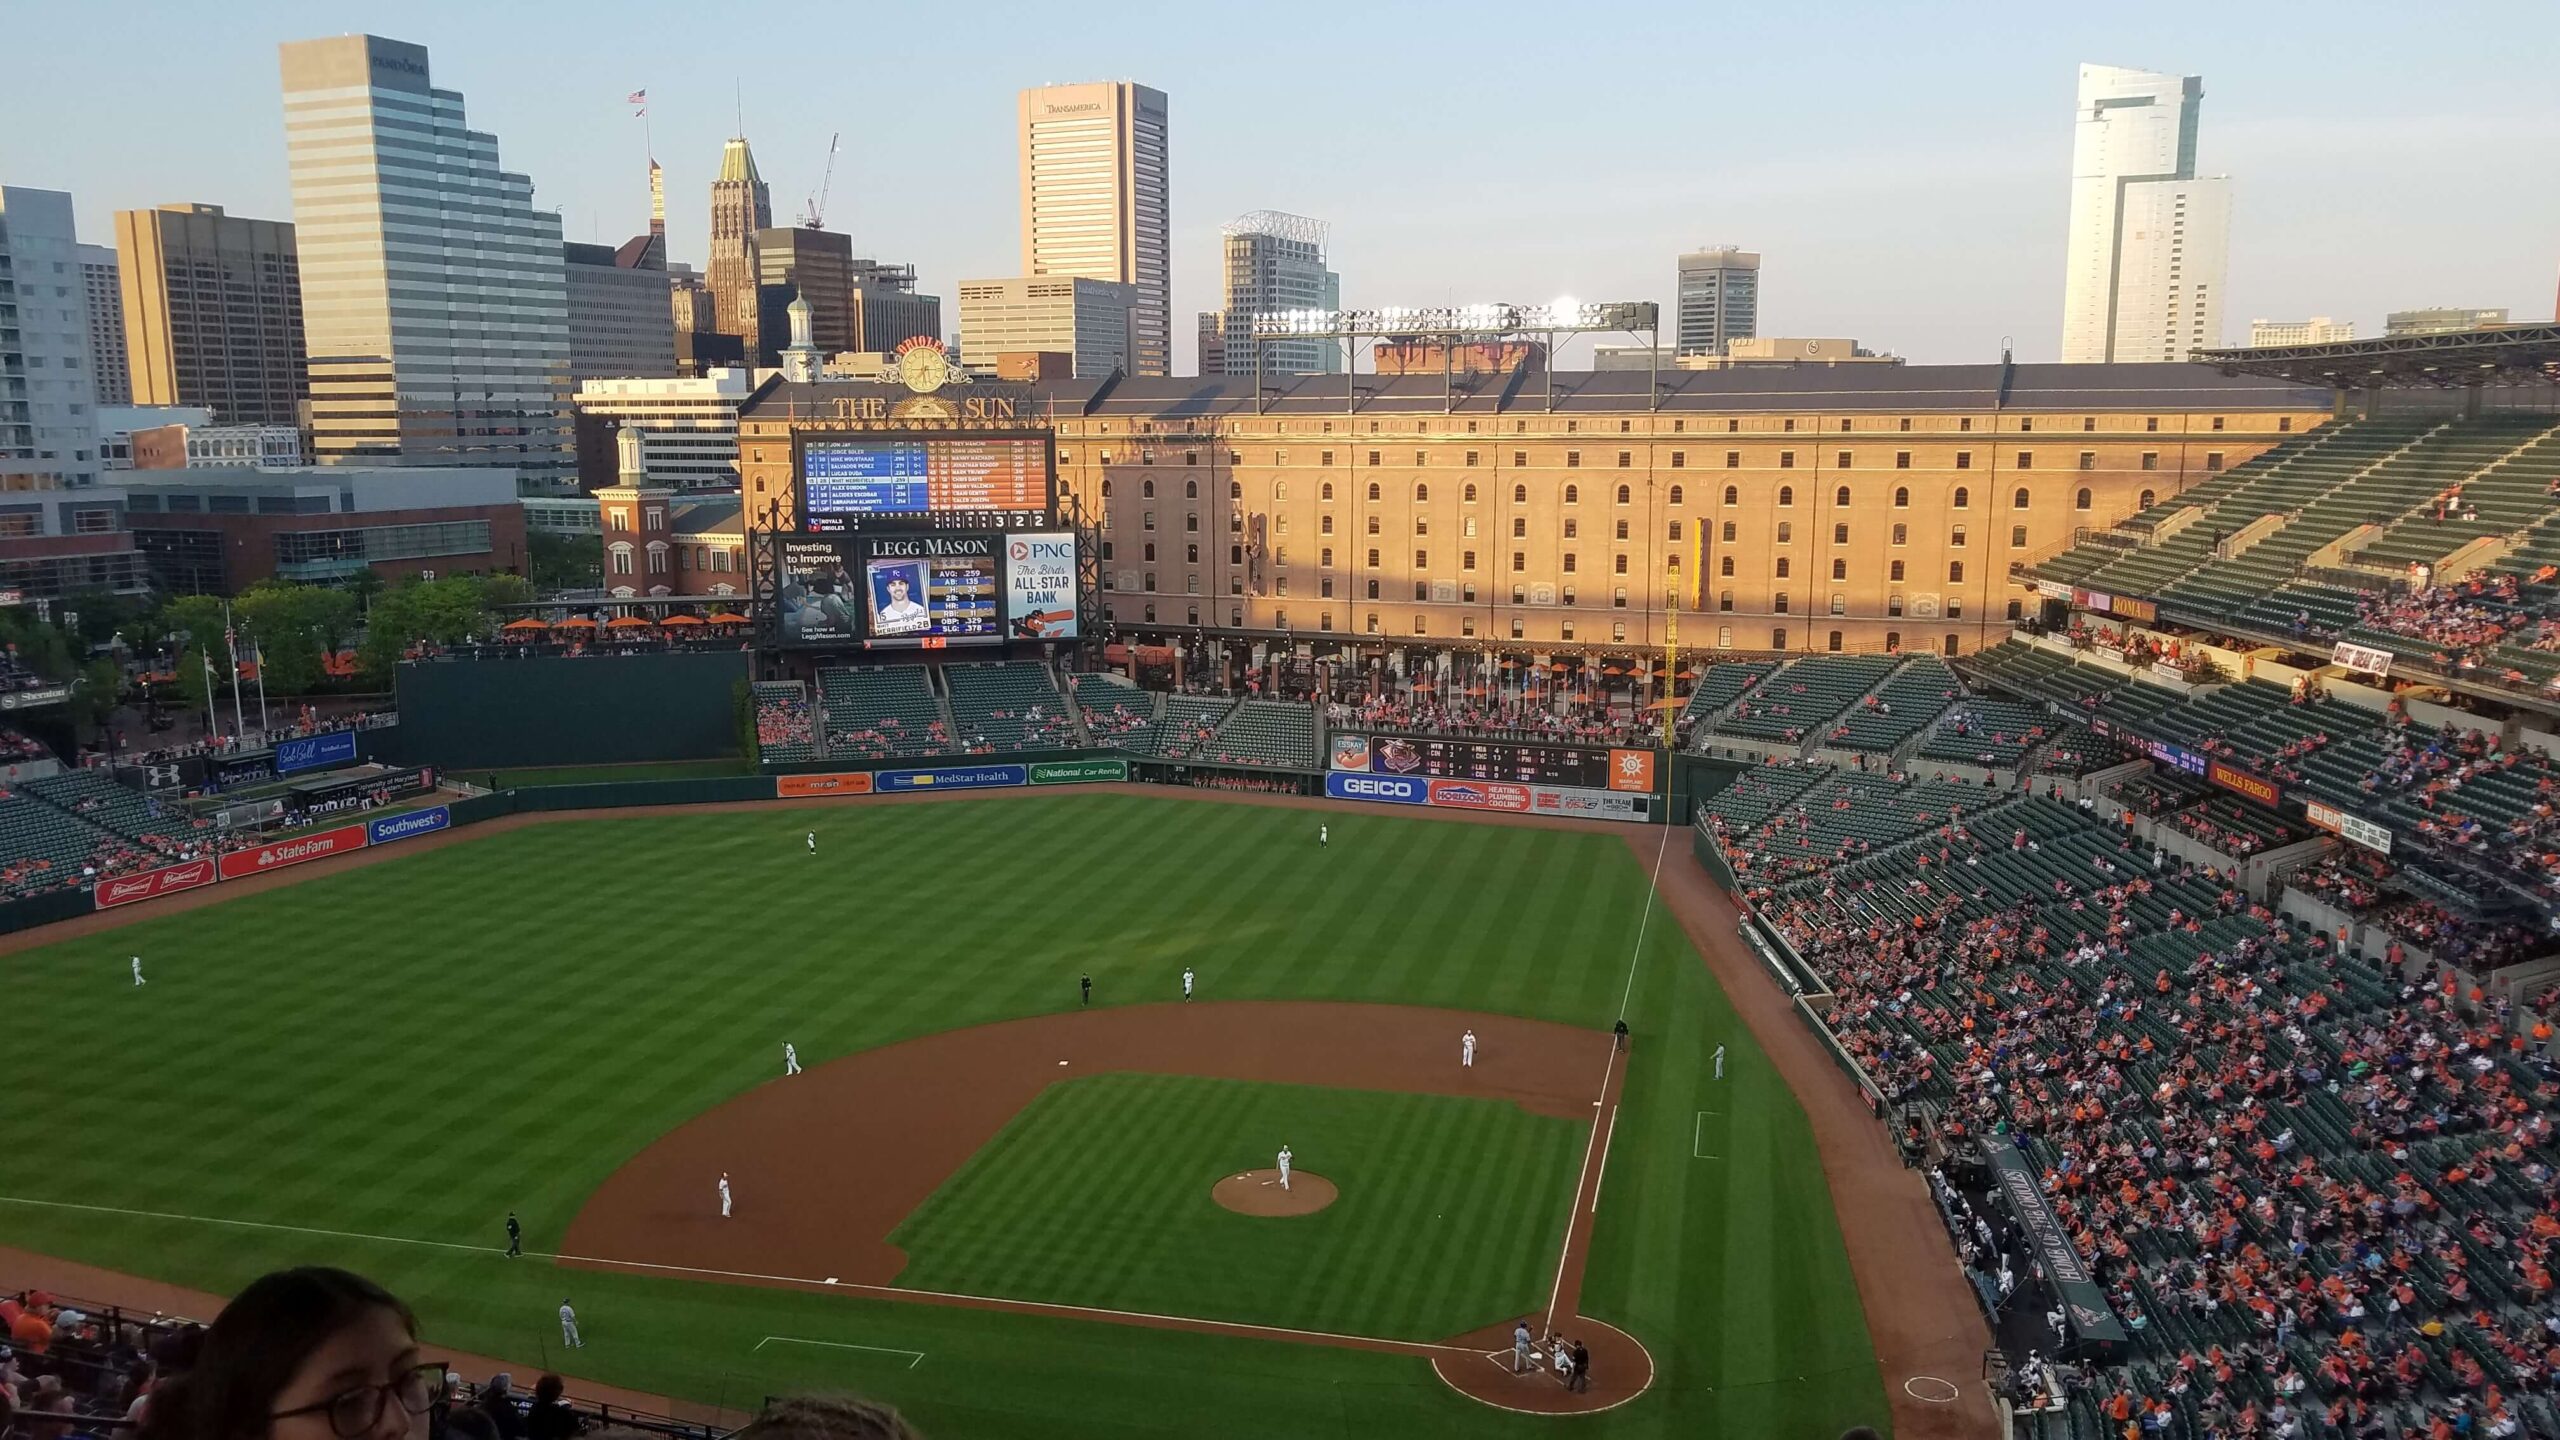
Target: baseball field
pixel 983 1201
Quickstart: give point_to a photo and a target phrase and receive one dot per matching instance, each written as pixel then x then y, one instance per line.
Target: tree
pixel 294 628
pixel 565 562
pixel 95 692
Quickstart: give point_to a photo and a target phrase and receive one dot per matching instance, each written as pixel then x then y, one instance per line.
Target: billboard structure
pixel 925 541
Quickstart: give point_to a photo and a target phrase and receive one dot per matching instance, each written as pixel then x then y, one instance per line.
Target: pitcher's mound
pixel 1258 1192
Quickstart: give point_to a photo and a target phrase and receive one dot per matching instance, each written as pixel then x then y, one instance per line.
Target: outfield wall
pixel 555 710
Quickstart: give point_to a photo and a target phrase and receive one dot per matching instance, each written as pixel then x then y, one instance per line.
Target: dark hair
pixel 547 1389
pixel 253 1350
pixel 1860 1432
pixel 827 1417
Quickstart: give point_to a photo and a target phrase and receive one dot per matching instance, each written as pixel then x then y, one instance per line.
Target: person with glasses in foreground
pixel 308 1354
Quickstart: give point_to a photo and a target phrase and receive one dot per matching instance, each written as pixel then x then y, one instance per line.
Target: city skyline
pixel 1970 189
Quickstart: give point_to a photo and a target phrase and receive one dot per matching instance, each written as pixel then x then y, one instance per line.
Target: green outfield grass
pixel 398 1054
pixel 1098 1194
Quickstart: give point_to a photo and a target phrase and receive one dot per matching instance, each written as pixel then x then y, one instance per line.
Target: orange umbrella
pixel 524 625
pixel 576 622
pixel 682 620
pixel 726 618
pixel 626 622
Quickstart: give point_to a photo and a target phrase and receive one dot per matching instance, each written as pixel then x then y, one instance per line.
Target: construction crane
pixel 817 218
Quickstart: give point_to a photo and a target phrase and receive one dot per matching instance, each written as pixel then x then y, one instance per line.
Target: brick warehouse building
pixel 1859 508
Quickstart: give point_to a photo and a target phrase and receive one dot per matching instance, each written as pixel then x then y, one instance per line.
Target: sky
pixel 1902 168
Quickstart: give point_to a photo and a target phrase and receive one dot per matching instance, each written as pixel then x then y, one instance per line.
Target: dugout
pixel 507 713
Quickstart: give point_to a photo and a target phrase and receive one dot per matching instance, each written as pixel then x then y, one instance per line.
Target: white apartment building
pixel 1274 261
pixel 1093 320
pixel 2149 240
pixel 434 299
pixel 688 427
pixel 1095 200
pixel 48 424
pixel 2318 330
pixel 110 371
pixel 1719 294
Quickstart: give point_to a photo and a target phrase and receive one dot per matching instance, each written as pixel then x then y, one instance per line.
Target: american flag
pixel 636 97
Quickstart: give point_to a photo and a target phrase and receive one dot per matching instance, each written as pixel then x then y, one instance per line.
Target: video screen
pixel 854 483
pixel 891 591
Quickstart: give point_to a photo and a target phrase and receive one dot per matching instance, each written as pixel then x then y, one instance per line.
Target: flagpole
pixel 258 657
pixel 212 711
pixel 231 642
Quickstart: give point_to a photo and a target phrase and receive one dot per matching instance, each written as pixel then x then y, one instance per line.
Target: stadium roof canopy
pixel 2508 355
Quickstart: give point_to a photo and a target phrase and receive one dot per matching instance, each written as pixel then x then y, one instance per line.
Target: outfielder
pixel 569 1328
pixel 813 842
pixel 1186 984
pixel 1719 1062
pixel 1467 1050
pixel 790 1059
pixel 137 970
pixel 1284 1167
pixel 1324 836
pixel 724 1194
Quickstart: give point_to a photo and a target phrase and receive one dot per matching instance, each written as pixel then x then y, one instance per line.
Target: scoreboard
pixel 1487 760
pixel 853 483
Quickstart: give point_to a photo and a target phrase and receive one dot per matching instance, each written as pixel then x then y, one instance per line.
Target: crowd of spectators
pixel 1122 718
pixel 2348 880
pixel 1558 720
pixel 2478 946
pixel 889 736
pixel 2308 1184
pixel 69 1370
pixel 785 721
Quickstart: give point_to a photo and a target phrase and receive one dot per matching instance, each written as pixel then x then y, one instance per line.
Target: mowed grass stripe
pixel 1129 1223
pixel 415 1047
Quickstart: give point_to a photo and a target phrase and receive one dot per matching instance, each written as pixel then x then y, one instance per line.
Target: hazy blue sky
pixel 1903 168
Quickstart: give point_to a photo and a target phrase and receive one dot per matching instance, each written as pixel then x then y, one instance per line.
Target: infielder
pixel 1284 1167
pixel 569 1328
pixel 724 1194
pixel 813 842
pixel 137 970
pixel 1467 1050
pixel 790 1059
pixel 1186 984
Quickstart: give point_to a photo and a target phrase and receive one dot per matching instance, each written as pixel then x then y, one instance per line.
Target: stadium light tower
pixel 1552 323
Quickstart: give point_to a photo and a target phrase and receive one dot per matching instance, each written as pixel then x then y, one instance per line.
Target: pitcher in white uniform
pixel 1284 1167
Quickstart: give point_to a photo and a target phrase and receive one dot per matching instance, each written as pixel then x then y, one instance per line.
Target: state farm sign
pixel 259 859
pixel 152 884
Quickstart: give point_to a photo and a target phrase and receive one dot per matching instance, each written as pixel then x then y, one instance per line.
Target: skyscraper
pixel 1719 298
pixel 2149 240
pixel 433 297
pixel 620 319
pixel 1274 261
pixel 108 377
pixel 1094 200
pixel 48 413
pixel 213 313
pixel 1090 321
pixel 740 206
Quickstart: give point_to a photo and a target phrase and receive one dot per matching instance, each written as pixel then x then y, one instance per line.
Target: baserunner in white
pixel 790 1059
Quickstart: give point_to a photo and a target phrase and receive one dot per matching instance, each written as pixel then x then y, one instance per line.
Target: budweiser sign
pixel 259 859
pixel 152 884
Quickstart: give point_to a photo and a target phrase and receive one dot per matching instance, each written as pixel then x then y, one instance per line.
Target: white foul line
pixel 885 1292
pixel 916 1356
pixel 1603 1176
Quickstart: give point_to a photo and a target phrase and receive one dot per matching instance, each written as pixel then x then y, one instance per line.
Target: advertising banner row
pixel 950 777
pixel 1495 795
pixel 275 855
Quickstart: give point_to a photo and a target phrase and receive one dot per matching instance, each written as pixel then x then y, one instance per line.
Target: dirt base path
pixel 823 1165
pixel 69 1280
pixel 1920 1312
